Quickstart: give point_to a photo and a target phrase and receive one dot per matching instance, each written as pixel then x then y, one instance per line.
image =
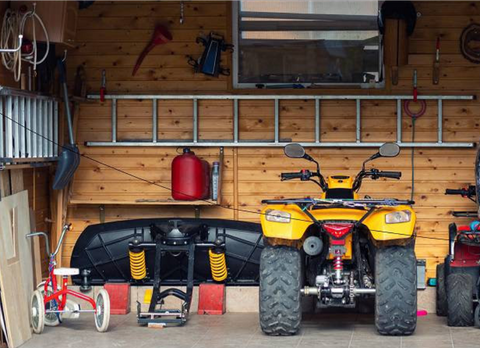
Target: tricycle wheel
pixel 280 284
pixel 441 290
pixel 459 300
pixel 37 312
pixel 396 290
pixel 102 315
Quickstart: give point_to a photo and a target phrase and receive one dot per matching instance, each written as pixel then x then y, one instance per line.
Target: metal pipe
pixel 154 121
pixel 172 143
pixel 399 121
pixel 310 291
pixel 317 120
pixel 114 120
pixel 360 291
pixel 195 120
pixel 45 138
pixel 15 92
pixel 277 120
pixel 358 122
pixel 235 121
pixel 50 128
pixel 28 125
pixel 22 141
pixel 440 120
pixel 282 97
pixel 16 129
pixel 55 128
pixel 9 128
pixel 40 128
pixel 34 128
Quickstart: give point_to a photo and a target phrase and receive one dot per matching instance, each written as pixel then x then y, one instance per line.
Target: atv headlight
pixel 277 216
pixel 398 216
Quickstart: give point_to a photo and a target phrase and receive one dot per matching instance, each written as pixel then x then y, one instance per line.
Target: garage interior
pixel 234 82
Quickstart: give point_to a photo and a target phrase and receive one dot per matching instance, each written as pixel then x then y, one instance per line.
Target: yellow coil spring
pixel 138 268
pixel 218 265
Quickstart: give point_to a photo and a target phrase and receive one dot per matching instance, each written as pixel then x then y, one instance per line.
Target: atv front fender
pixel 293 230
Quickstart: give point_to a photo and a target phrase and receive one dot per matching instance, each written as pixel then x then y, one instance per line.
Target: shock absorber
pixel 138 268
pixel 338 267
pixel 218 264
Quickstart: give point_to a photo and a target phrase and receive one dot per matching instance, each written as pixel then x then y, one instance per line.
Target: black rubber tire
pixel 459 300
pixel 476 316
pixel 441 290
pixel 396 290
pixel 280 284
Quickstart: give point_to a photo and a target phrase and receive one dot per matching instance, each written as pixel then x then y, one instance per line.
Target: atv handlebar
pixel 304 175
pixel 392 175
pixel 461 192
pixel 290 176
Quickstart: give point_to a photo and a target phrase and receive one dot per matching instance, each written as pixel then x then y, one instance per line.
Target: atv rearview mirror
pixel 294 151
pixel 389 150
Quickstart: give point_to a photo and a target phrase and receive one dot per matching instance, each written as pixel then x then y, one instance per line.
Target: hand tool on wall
pixel 436 64
pixel 69 159
pixel 161 35
pixel 209 62
pixel 103 86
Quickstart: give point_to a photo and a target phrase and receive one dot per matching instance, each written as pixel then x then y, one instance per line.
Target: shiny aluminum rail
pixel 28 127
pixel 237 142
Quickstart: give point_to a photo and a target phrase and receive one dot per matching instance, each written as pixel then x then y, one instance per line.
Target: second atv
pixel 340 249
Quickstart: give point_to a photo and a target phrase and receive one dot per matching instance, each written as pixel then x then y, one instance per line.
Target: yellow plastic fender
pixel 299 222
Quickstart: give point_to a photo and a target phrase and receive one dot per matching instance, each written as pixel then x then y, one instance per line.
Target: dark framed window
pixel 306 43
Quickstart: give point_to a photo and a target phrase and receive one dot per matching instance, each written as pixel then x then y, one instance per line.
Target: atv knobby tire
pixel 396 290
pixel 459 299
pixel 280 284
pixel 441 300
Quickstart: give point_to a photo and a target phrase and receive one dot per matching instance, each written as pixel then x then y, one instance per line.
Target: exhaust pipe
pixel 315 291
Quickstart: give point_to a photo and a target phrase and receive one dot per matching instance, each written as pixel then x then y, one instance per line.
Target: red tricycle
pixel 49 304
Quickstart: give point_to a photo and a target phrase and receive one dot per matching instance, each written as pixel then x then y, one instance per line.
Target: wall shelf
pixel 169 202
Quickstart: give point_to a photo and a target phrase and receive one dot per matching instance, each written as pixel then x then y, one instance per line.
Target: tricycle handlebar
pixel 66 227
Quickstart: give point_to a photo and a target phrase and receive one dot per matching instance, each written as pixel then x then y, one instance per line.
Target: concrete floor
pixel 241 330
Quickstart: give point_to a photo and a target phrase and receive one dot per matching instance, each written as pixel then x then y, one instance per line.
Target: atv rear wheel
pixel 459 299
pixel 396 290
pixel 280 284
pixel 441 301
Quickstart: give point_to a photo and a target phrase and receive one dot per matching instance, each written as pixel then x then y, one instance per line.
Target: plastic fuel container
pixel 190 177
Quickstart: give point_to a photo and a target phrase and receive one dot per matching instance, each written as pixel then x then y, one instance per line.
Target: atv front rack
pixel 347 203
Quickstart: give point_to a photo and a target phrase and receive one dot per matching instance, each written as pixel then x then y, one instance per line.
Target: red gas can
pixel 190 177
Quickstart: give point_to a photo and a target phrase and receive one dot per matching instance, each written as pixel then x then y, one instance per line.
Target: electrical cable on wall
pixel 414 116
pixel 13 25
pixel 65 148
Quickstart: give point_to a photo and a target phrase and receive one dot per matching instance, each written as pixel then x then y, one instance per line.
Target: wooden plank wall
pixel 36 182
pixel 111 36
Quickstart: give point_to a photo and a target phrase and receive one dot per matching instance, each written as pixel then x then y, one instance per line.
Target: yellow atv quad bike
pixel 340 249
